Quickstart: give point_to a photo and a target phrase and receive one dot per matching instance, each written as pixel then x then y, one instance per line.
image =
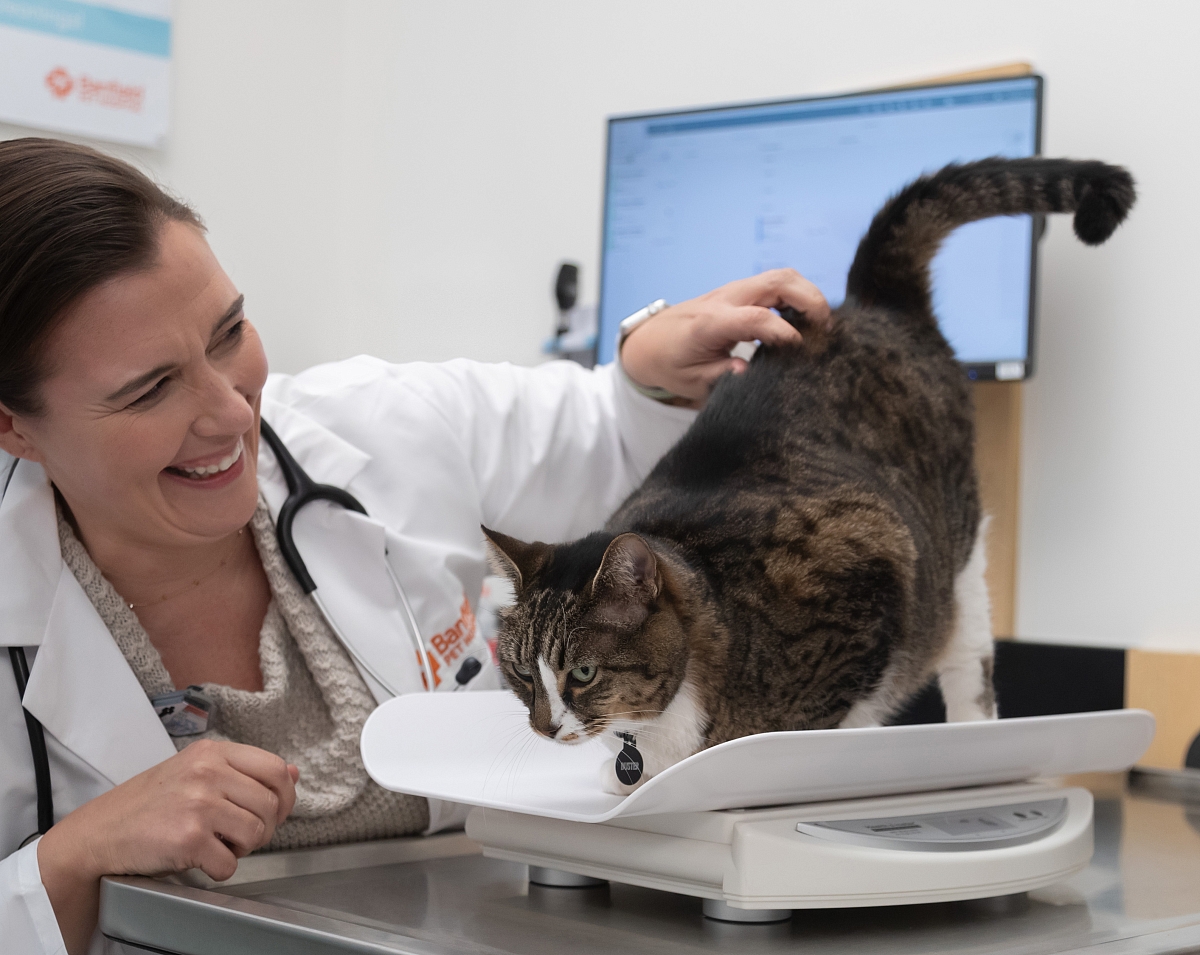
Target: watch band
pixel 640 317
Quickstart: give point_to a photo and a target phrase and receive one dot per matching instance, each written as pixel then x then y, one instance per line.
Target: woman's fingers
pixel 749 323
pixel 798 292
pixel 783 287
pixel 253 797
pixel 269 770
pixel 241 830
pixel 216 860
pixel 718 368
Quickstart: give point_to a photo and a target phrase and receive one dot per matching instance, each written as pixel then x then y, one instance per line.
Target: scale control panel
pixel 989 827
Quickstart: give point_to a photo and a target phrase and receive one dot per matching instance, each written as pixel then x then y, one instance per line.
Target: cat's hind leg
pixel 965 668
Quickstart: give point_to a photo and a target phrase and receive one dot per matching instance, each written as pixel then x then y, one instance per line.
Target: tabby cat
pixel 810 553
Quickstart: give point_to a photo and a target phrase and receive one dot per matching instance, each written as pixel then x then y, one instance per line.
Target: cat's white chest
pixel 662 742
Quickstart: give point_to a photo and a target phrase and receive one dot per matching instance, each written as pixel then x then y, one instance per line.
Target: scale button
pixel 984 828
pixel 963 825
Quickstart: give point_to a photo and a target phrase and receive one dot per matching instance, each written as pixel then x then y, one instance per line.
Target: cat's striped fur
pixel 810 553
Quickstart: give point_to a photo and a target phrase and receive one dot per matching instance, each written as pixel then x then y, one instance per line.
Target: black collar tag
pixel 629 761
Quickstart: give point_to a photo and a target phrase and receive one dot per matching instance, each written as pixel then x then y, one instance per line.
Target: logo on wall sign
pixel 60 82
pixel 109 93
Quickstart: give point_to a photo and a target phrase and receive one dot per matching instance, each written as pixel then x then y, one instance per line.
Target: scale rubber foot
pixel 558 879
pixel 724 912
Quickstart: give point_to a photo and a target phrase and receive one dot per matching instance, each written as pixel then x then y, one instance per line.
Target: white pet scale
pixel 762 825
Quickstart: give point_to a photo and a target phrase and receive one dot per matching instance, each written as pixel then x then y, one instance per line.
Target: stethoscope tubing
pixel 411 619
pixel 302 491
pixel 37 748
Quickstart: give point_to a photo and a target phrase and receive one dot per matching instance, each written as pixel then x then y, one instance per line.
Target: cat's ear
pixel 512 558
pixel 627 581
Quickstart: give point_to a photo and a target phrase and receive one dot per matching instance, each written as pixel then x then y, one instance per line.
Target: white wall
pixel 402 178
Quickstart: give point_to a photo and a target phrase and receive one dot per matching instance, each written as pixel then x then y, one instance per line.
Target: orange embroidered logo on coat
pixel 451 643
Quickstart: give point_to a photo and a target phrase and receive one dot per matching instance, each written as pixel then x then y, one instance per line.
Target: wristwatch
pixel 640 317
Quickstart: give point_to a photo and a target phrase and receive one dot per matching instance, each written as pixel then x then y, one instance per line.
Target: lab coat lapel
pixel 30 560
pixel 80 686
pixel 84 693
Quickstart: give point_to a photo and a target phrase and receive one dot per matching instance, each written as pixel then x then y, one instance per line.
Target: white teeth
pixel 224 465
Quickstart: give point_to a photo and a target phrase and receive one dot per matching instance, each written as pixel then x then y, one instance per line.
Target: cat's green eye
pixel 522 671
pixel 585 673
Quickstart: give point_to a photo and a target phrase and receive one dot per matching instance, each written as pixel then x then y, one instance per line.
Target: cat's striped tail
pixel 891 267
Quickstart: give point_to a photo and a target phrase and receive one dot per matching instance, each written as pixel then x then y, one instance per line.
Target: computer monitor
pixel 698 198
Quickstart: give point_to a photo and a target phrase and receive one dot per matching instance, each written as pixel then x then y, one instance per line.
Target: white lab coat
pixel 432 451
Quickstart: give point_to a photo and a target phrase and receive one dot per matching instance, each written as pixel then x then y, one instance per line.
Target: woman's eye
pixel 231 337
pixel 150 396
pixel 522 671
pixel 584 674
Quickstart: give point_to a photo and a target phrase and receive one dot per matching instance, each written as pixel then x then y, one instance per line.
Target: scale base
pixel 713 908
pixel 893 850
pixel 724 912
pixel 560 879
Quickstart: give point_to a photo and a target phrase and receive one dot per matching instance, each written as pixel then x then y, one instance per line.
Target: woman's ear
pixel 13 438
pixel 627 582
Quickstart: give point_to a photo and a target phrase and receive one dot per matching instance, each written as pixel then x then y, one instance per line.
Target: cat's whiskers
pixel 654 731
pixel 520 758
pixel 506 756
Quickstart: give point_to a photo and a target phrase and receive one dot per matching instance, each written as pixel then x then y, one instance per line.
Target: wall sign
pixel 96 69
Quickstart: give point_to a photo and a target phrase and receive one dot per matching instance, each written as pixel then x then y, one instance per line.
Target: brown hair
pixel 71 218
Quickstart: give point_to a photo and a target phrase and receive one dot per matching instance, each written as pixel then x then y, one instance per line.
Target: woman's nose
pixel 224 409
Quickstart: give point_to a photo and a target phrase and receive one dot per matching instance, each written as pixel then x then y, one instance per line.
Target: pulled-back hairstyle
pixel 71 218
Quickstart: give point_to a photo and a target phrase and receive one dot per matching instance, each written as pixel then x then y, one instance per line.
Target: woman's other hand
pixel 685 348
pixel 204 808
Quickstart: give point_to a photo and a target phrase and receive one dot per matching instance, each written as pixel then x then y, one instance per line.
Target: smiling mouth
pixel 199 474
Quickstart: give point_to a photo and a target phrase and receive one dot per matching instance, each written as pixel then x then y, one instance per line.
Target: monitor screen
pixel 696 199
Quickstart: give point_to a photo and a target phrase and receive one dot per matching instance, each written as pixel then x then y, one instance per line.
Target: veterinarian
pixel 138 547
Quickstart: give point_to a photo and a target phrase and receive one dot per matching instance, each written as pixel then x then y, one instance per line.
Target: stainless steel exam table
pixel 435 896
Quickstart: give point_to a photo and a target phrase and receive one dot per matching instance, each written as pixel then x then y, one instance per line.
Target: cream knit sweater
pixel 310 711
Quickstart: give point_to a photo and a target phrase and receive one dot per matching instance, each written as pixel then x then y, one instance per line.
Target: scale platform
pixel 766 824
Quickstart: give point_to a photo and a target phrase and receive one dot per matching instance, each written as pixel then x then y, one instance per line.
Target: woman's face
pixel 150 420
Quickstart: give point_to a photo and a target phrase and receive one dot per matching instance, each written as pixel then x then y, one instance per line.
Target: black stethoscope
pixel 302 490
pixel 37 746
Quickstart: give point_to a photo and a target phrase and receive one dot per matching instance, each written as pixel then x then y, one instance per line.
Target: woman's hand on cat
pixel 685 348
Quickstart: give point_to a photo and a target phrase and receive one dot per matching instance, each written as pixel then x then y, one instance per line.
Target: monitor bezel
pixel 976 371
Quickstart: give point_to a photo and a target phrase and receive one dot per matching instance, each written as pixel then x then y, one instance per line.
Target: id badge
pixel 184 712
